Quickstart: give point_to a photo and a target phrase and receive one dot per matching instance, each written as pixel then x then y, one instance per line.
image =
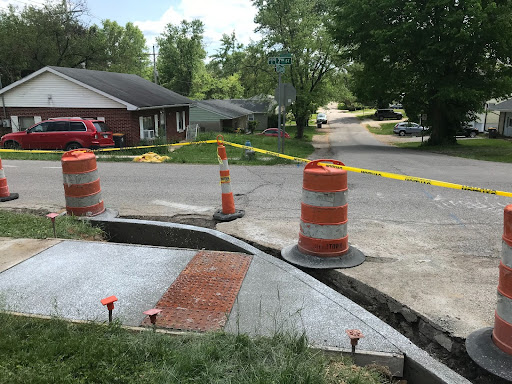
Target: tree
pixel 256 76
pixel 226 62
pixel 123 49
pixel 445 58
pixel 32 38
pixel 181 55
pixel 298 27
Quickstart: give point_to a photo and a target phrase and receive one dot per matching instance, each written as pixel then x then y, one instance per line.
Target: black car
pixel 381 114
pixel 466 131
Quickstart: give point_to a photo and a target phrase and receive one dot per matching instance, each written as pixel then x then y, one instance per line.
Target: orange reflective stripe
pixel 324 215
pixel 502 334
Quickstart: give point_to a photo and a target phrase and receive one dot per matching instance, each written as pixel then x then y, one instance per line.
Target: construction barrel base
pixel 228 216
pixel 350 259
pixel 12 196
pixel 487 355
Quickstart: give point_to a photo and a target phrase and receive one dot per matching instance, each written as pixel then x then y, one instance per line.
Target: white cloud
pixel 218 18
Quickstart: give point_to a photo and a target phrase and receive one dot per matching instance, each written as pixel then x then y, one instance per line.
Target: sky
pixel 151 16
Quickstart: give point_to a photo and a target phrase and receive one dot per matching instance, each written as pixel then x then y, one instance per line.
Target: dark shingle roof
pixel 130 88
pixel 256 106
pixel 224 107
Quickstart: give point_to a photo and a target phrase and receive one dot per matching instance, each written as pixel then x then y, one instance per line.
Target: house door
pixel 507 131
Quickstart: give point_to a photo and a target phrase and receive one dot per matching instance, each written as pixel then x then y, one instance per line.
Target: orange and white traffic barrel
pixel 5 195
pixel 323 236
pixel 228 211
pixel 491 348
pixel 81 183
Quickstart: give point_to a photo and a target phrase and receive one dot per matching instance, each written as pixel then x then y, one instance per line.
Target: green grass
pixel 54 351
pixel 28 225
pixel 383 129
pixel 479 149
pixel 206 153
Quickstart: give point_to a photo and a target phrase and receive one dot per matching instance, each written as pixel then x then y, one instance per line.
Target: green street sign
pixel 279 60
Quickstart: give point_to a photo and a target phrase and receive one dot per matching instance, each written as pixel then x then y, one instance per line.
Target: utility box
pixel 6 123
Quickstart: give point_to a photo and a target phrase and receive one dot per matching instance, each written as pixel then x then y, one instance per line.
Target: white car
pixel 408 128
pixel 321 118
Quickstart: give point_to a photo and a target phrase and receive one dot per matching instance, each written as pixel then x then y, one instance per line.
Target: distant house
pixel 260 110
pixel 127 103
pixel 505 117
pixel 214 115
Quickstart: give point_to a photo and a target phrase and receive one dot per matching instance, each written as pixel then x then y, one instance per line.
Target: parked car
pixel 62 133
pixel 409 128
pixel 381 114
pixel 274 132
pixel 321 118
pixel 396 106
pixel 466 131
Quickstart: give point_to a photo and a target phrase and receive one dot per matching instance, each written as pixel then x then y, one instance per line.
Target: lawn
pixel 499 150
pixel 206 153
pixel 54 351
pixel 38 226
pixel 383 129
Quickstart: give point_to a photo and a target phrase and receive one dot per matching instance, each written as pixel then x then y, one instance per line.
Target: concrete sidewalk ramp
pixel 249 291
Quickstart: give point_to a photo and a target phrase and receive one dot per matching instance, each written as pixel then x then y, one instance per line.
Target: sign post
pixel 279 64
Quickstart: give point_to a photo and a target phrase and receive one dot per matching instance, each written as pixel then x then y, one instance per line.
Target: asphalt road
pixel 438 248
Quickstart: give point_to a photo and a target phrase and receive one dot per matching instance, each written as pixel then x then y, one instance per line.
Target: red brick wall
pixel 119 120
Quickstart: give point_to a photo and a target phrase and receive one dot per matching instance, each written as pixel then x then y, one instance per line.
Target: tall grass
pixel 55 351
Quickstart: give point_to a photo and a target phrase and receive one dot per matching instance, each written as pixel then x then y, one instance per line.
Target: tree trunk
pixel 443 126
pixel 302 122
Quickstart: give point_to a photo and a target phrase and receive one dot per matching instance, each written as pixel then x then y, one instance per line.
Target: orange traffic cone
pixel 323 238
pixel 4 189
pixel 228 211
pixel 492 348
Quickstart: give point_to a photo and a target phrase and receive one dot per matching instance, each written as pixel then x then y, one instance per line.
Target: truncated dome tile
pixel 202 296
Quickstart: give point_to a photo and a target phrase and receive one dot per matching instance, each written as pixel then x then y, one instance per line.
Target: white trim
pixel 177 120
pixel 15 124
pixel 141 127
pixel 156 124
pixel 165 106
pixel 183 127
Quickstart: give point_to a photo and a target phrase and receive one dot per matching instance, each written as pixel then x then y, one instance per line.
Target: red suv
pixel 62 133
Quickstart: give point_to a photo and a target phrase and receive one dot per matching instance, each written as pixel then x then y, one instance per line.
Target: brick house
pixel 127 103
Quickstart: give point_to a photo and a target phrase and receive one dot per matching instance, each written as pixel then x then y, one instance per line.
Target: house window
pixel 148 123
pixel 180 121
pixel 25 122
pixel 251 117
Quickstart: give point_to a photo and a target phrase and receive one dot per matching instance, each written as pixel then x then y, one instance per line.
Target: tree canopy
pixel 442 58
pixel 34 37
pixel 298 27
pixel 181 56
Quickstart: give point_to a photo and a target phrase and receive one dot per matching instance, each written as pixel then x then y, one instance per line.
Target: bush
pixel 252 125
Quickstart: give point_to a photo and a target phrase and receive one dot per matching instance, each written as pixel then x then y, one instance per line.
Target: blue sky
pixel 224 16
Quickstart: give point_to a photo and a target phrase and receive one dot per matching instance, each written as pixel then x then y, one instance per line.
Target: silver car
pixel 408 128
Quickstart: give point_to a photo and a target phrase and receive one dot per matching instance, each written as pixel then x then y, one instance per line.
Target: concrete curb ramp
pixel 69 279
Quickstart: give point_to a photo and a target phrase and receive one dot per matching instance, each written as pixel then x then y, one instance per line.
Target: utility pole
pixel 154 64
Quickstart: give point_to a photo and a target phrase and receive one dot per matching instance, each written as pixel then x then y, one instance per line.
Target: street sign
pixel 288 94
pixel 279 60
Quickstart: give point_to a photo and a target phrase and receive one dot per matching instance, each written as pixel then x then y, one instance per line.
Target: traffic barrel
pixel 81 183
pixel 323 236
pixel 228 211
pixel 491 348
pixel 4 188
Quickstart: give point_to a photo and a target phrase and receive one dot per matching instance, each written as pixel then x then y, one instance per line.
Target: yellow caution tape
pixel 388 175
pixel 110 149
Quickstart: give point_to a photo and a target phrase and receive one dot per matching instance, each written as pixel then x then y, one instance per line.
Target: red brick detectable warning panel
pixel 202 296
